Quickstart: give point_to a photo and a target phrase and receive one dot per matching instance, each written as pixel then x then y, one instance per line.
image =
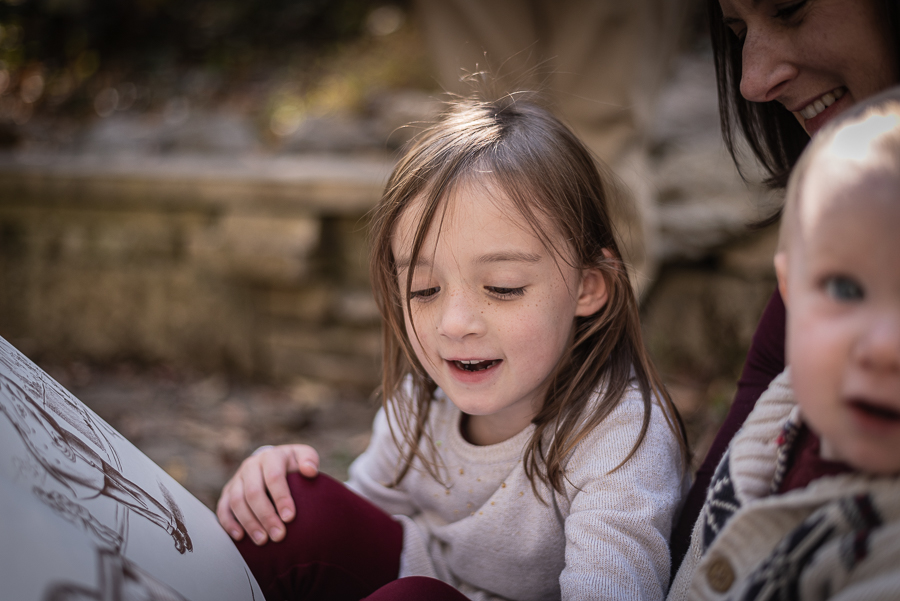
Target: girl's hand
pixel 245 505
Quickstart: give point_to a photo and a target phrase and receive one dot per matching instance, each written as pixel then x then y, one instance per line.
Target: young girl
pixel 526 448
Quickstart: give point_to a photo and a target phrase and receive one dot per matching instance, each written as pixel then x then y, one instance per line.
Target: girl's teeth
pixel 821 104
pixel 469 365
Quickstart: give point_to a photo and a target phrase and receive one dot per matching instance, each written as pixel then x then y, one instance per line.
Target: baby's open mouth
pixel 875 411
pixel 467 365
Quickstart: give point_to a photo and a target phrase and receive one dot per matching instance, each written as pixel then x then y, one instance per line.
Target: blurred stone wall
pixel 251 267
pixel 228 259
pixel 716 272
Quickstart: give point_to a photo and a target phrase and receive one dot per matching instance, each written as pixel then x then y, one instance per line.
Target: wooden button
pixel 720 575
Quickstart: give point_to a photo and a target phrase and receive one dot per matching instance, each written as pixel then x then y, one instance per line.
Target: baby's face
pixel 841 277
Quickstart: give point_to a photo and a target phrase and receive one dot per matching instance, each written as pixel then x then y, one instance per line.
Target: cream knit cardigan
pixel 810 543
pixel 487 534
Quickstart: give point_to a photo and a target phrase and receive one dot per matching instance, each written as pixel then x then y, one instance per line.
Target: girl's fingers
pixel 254 510
pixel 306 460
pixel 251 525
pixel 226 518
pixel 273 518
pixel 275 465
pixel 247 499
pixel 233 506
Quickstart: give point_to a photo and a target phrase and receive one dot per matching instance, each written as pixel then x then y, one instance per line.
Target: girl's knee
pixel 417 587
pixel 337 540
pixel 339 521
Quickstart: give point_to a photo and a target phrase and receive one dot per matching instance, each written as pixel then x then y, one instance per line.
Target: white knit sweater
pixel 837 538
pixel 487 534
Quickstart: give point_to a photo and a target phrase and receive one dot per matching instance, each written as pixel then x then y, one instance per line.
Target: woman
pixel 784 69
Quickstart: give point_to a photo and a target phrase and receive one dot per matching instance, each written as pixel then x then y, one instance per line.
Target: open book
pixel 85 515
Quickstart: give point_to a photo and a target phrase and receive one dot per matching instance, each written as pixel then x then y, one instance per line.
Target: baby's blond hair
pixel 868 134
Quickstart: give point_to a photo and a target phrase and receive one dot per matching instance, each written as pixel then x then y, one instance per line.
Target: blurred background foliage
pixel 276 59
pixel 129 303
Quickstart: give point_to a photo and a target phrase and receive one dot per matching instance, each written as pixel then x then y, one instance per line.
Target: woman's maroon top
pixel 806 464
pixel 765 360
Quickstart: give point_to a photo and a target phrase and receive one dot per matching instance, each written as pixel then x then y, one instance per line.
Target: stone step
pixel 314 183
pixel 210 262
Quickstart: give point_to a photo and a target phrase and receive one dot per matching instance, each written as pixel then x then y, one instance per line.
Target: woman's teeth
pixel 468 365
pixel 822 103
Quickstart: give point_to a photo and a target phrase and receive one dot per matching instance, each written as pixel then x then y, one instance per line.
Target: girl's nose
pixel 765 66
pixel 461 316
pixel 879 347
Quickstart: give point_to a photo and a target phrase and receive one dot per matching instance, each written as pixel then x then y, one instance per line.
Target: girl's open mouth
pixel 475 365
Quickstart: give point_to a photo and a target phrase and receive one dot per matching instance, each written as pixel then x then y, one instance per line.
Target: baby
pixel 806 503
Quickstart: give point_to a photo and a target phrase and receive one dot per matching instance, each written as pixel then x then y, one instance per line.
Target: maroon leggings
pixel 339 546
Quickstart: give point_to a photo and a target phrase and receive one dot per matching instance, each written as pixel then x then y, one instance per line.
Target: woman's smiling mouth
pixel 820 104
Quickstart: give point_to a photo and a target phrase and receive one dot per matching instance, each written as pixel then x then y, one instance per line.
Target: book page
pixel 85 515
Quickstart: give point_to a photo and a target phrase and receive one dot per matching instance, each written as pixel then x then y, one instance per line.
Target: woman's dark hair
pixel 772 133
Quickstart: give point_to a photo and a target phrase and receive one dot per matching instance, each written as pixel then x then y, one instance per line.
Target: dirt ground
pixel 199 428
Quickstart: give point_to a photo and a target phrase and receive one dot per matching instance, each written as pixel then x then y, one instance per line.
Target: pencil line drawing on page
pixel 112 506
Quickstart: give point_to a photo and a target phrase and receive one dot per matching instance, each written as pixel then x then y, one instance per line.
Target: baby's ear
pixel 781 270
pixel 593 293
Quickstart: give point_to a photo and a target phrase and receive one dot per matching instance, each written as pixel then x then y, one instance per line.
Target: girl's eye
pixel 843 289
pixel 789 10
pixel 424 293
pixel 505 292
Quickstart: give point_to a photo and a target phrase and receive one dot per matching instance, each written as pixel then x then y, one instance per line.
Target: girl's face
pixel 815 57
pixel 493 309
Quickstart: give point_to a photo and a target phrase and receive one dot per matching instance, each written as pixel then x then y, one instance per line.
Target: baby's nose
pixel 879 347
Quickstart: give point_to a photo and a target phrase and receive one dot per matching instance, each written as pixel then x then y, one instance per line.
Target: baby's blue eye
pixel 843 289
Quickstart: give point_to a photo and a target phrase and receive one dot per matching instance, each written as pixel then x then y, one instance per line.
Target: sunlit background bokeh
pixel 183 191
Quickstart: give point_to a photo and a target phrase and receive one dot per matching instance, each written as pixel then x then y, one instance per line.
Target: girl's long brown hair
pixel 552 178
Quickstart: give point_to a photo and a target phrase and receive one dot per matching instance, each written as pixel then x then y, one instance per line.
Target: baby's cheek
pixel 807 381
